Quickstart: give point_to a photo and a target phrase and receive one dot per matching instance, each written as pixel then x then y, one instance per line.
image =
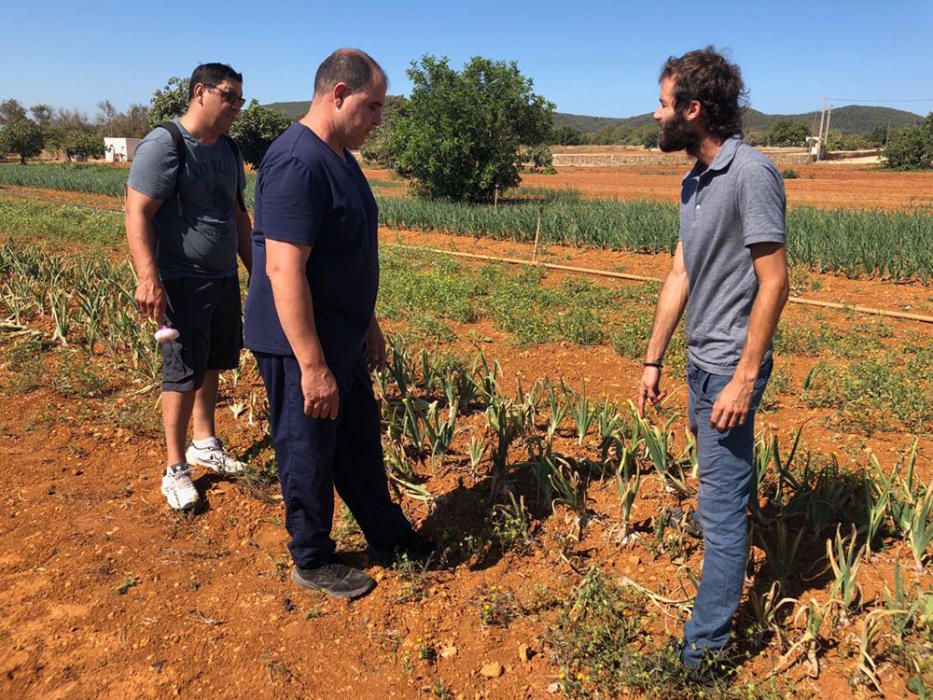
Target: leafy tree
pixel 645 136
pixel 80 145
pixel 787 132
pixel 566 136
pixel 460 134
pixel 755 137
pixel 133 123
pixel 613 134
pixel 255 130
pixel 376 149
pixel 169 102
pixel 838 141
pixel 910 148
pixel 42 114
pixel 878 136
pixel 106 113
pixel 11 111
pixel 23 137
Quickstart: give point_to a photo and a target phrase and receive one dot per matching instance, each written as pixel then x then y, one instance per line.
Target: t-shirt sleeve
pixel 291 196
pixel 761 202
pixel 155 166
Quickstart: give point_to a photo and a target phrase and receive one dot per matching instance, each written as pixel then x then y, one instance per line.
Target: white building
pixel 120 149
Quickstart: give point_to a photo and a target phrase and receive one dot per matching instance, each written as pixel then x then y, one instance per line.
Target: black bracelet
pixel 658 365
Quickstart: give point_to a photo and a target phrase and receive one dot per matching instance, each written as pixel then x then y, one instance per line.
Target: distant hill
pixel 854 119
pixel 294 110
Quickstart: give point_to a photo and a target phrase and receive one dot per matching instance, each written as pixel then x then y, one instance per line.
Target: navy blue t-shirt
pixel 307 194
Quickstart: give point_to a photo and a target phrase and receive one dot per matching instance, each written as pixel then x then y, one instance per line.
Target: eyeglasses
pixel 229 96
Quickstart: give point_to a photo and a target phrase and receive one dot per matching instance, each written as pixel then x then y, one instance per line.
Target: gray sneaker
pixel 335 579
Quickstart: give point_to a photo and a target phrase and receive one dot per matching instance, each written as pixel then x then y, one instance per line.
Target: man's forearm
pixel 244 240
pixel 140 238
pixel 762 322
pixel 292 296
pixel 670 307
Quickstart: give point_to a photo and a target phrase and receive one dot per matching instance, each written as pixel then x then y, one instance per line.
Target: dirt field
pixel 106 593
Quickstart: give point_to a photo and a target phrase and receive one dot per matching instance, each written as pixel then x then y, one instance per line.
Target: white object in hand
pixel 166 333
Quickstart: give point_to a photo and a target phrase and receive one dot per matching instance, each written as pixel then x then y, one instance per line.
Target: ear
pixel 693 110
pixel 341 92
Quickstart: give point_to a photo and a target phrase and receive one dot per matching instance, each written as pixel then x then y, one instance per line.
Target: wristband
pixel 657 365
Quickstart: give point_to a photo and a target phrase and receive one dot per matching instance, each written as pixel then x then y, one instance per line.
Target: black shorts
pixel 207 314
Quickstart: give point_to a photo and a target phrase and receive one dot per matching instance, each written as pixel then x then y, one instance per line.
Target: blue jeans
pixel 725 461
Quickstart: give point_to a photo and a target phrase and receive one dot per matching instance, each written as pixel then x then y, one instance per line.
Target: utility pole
pixel 819 143
pixel 829 118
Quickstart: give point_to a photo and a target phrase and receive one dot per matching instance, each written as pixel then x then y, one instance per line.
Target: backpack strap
pixel 236 153
pixel 181 154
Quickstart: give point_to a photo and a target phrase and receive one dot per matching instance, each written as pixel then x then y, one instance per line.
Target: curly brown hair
pixel 707 77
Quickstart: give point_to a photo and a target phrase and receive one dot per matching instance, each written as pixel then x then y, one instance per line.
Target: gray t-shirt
pixel 734 203
pixel 201 241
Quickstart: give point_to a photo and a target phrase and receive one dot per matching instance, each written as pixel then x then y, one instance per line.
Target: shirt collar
pixel 722 160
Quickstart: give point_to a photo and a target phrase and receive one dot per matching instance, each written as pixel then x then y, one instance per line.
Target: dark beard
pixel 677 135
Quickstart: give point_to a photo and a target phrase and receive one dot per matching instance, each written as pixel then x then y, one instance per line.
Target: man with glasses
pixel 186 224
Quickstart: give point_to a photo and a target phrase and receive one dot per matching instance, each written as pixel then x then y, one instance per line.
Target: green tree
pixel 43 114
pixel 460 135
pixel 377 146
pixel 134 123
pixel 80 145
pixel 645 136
pixel 566 136
pixel 11 111
pixel 255 130
pixel 23 137
pixel 910 148
pixel 787 132
pixel 169 102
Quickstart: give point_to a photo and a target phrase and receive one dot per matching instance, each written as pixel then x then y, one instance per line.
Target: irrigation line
pixel 902 315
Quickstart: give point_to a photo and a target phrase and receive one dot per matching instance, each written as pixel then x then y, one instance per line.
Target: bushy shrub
pixel 910 148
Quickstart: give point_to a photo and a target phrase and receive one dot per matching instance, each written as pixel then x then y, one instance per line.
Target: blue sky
pixel 597 58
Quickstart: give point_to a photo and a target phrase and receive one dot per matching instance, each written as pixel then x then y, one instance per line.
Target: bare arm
pixel 244 243
pixel 285 265
pixel 670 307
pixel 140 235
pixel 732 405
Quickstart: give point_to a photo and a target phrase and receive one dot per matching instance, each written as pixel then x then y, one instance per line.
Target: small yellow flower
pixel 579 676
pixel 560 676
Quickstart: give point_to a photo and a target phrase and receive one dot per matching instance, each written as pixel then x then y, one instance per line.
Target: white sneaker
pixel 214 458
pixel 178 488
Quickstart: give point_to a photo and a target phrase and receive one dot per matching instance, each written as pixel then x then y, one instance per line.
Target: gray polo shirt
pixel 201 240
pixel 734 203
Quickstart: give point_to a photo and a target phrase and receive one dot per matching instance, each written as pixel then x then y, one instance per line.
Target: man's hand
pixel 649 390
pixel 150 298
pixel 319 387
pixel 374 346
pixel 732 405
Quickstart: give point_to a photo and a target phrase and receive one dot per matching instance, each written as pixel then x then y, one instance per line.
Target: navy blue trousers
pixel 316 455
